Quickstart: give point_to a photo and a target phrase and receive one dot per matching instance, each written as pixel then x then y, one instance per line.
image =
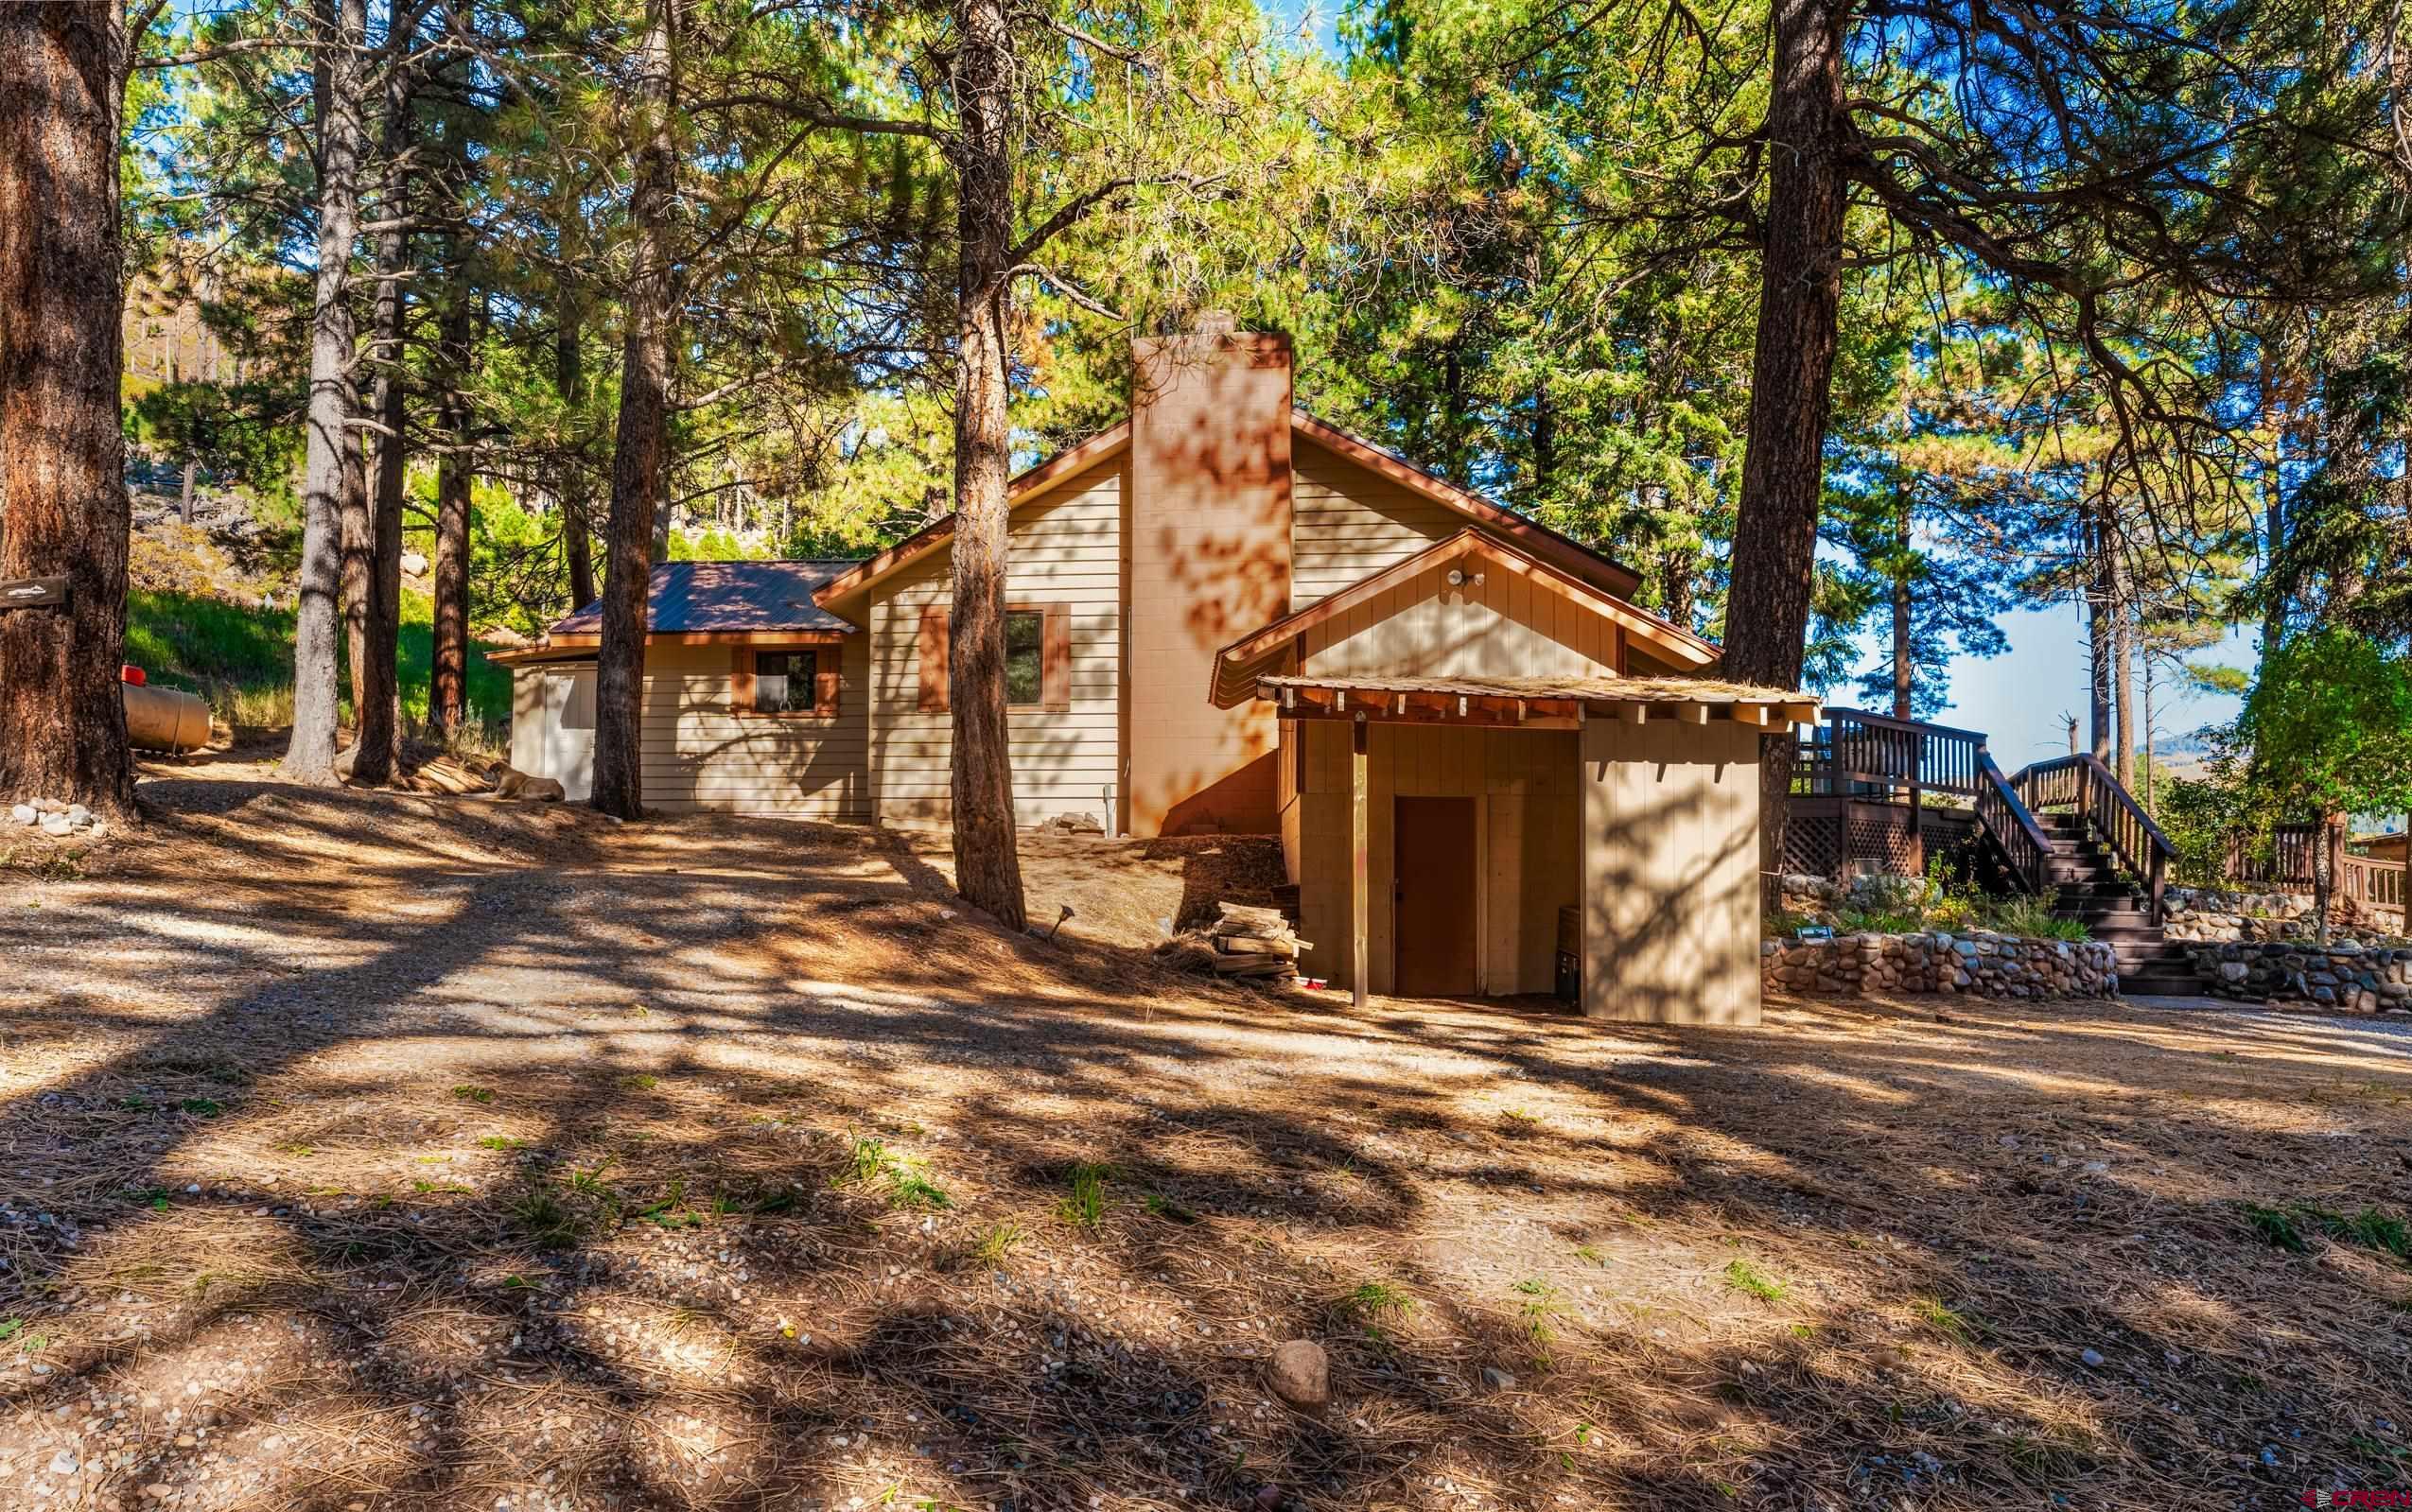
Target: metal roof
pixel 707 598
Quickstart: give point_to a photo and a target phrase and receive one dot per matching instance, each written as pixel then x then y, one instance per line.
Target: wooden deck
pixel 1881 791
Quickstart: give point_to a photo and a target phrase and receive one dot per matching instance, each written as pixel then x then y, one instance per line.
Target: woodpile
pixel 1242 943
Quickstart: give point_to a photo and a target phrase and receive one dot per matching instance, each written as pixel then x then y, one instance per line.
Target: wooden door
pixel 1436 909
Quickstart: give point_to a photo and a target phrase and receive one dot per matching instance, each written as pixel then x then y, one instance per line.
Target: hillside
pixel 210 608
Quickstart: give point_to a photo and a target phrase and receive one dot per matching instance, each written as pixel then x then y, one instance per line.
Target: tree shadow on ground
pixel 420 1157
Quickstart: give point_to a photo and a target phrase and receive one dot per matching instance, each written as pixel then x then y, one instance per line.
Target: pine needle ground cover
pixel 404 1151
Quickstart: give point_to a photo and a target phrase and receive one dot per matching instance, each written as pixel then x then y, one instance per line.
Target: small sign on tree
pixel 33 593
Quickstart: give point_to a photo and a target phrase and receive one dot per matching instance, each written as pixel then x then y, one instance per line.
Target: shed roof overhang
pixel 1239 666
pixel 1542 701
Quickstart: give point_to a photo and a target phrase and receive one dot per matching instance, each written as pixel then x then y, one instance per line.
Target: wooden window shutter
pixel 933 654
pixel 741 680
pixel 824 681
pixel 1056 663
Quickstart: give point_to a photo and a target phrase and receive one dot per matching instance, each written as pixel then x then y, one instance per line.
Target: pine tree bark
pixel 376 711
pixel 330 466
pixel 1791 381
pixel 2123 668
pixel 569 380
pixel 1904 690
pixel 448 678
pixel 987 869
pixel 2100 616
pixel 638 457
pixel 64 510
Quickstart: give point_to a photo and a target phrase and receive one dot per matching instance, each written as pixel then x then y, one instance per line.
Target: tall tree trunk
pixel 448 680
pixel 185 503
pixel 1904 664
pixel 62 451
pixel 1791 381
pixel 569 382
pixel 2147 772
pixel 2101 592
pixel 1545 439
pixel 987 869
pixel 330 464
pixel 376 711
pixel 2123 671
pixel 2279 392
pixel 638 460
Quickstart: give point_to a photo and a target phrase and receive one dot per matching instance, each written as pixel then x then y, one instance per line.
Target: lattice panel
pixel 1812 845
pixel 1883 840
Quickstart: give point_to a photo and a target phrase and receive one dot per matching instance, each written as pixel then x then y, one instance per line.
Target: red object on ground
pixel 128 673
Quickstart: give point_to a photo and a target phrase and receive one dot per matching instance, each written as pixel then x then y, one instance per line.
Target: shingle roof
pixel 698 597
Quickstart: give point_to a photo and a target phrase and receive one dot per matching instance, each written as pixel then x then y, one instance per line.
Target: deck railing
pixel 2290 858
pixel 2007 818
pixel 2082 784
pixel 2371 883
pixel 2293 858
pixel 1854 751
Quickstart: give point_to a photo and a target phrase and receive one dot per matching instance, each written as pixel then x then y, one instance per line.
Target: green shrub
pixel 2030 918
pixel 1860 921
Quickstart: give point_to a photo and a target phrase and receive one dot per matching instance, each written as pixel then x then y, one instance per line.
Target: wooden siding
pixel 699 753
pixel 1506 624
pixel 1527 789
pixel 1065 549
pixel 1671 872
pixel 1350 522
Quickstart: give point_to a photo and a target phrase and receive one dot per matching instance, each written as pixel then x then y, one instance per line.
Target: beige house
pixel 1485 763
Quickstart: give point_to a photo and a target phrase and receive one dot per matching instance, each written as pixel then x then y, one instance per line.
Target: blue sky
pixel 2017 698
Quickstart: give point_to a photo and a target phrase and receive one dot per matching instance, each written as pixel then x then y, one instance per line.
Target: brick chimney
pixel 1209 537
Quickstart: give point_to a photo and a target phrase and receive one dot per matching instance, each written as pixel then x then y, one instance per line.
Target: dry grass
pixel 683 1251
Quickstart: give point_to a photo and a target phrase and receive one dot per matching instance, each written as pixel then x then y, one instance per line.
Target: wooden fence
pixel 2293 852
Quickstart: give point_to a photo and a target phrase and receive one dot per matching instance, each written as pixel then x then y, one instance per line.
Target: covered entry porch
pixel 1458 837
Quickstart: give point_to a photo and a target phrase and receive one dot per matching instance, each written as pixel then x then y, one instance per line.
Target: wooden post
pixel 1917 816
pixel 1361 866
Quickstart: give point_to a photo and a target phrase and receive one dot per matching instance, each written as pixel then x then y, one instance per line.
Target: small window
pixel 784 682
pixel 1025 658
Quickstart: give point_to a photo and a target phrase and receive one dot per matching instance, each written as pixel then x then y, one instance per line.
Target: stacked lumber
pixel 1240 943
pixel 1253 943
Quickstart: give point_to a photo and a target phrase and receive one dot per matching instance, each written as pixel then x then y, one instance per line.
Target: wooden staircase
pixel 2072 833
pixel 2088 887
pixel 2064 829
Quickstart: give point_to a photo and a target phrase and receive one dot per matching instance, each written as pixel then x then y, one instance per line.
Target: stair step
pixel 2155 986
pixel 2137 955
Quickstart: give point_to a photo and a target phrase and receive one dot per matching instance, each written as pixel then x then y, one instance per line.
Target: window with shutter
pixel 1037 657
pixel 792 682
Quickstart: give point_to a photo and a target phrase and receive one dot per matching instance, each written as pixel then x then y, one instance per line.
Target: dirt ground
pixel 386 1152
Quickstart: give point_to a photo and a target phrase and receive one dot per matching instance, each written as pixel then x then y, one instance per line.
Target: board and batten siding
pixel 1671 872
pixel 1528 863
pixel 1506 625
pixel 1065 548
pixel 1350 522
pixel 700 754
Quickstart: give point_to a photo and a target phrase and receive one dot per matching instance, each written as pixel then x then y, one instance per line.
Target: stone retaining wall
pixel 2354 978
pixel 1979 964
pixel 2218 914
